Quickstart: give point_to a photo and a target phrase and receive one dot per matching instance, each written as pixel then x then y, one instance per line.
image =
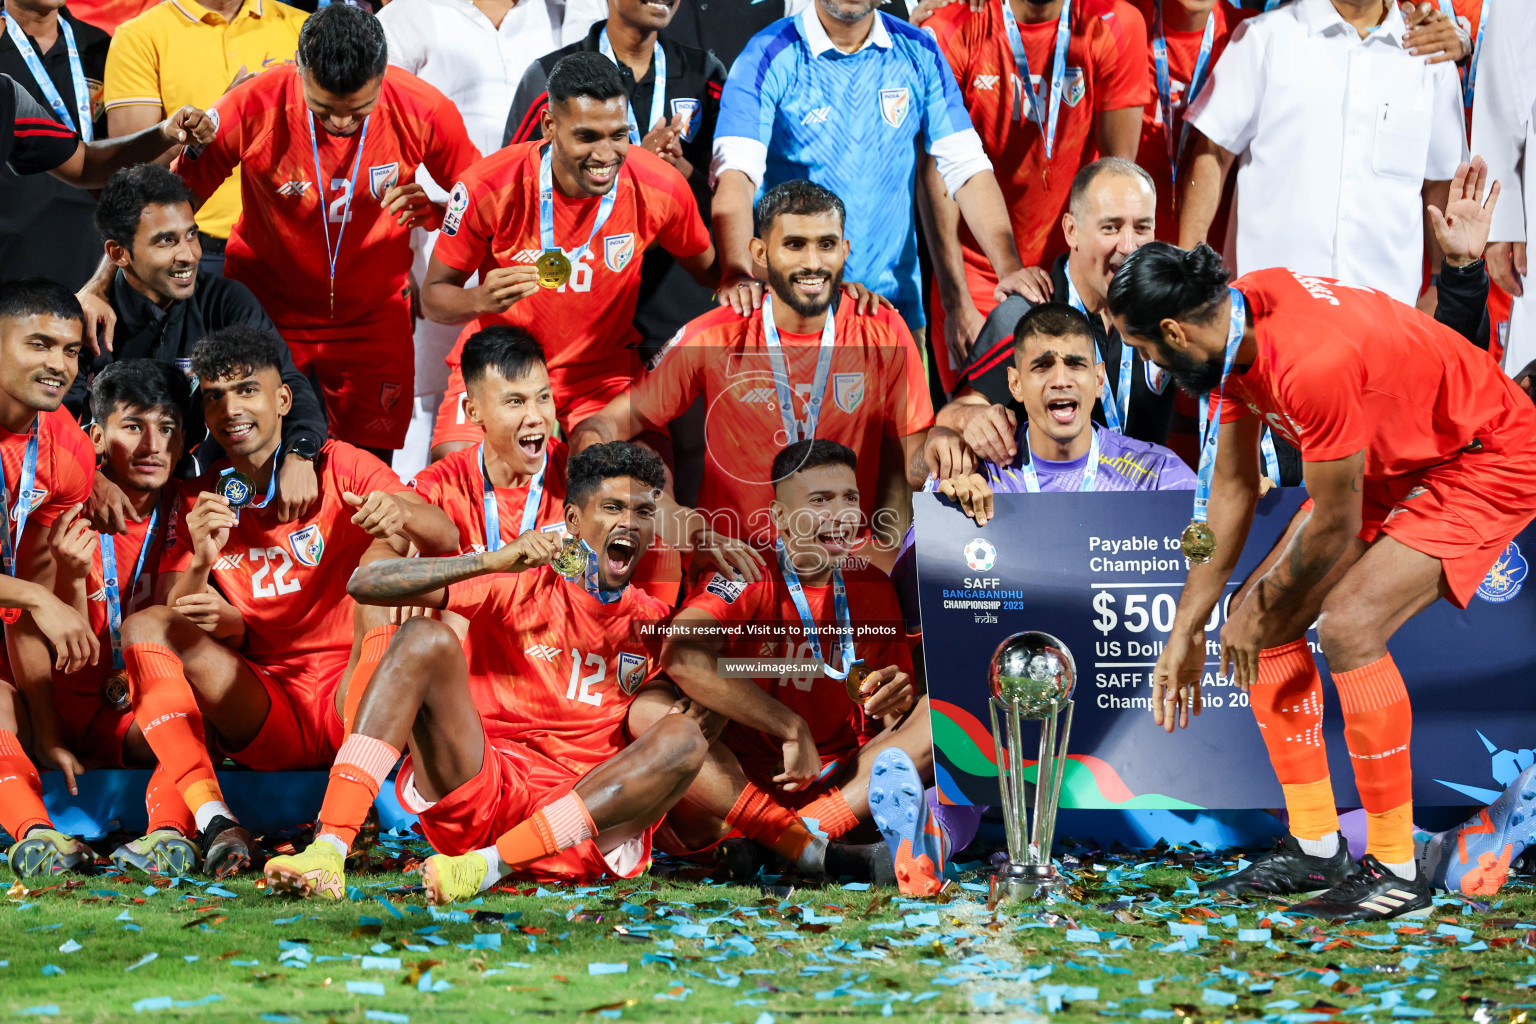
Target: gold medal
pixel 571 560
pixel 554 269
pixel 1198 542
pixel 854 680
pixel 114 691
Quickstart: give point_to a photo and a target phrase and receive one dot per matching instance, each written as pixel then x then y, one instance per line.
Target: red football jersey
pixel 1341 368
pixel 456 485
pixel 876 388
pixel 278 246
pixel 586 326
pixel 551 666
pixel 66 465
pixel 838 724
pixel 293 600
pixel 976 45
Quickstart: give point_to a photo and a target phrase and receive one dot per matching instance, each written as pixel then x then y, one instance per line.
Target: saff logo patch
pixel 458 203
pixel 618 250
pixel 1506 578
pixel 726 590
pixel 689 109
pixel 893 105
pixel 848 390
pixel 382 178
pixel 631 671
pixel 30 500
pixel 308 545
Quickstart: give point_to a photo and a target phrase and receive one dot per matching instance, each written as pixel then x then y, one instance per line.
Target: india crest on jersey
pixel 382 178
pixel 848 390
pixel 631 671
pixel 618 250
pixel 308 545
pixel 893 106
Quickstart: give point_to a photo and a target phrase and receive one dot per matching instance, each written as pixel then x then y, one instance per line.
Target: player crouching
pixel 518 761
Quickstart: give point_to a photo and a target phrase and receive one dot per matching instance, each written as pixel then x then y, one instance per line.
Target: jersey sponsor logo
pixel 726 590
pixel 1074 86
pixel 894 104
pixel 980 555
pixel 757 396
pixel 1506 578
pixel 294 188
pixel 228 563
pixel 543 652
pixel 985 83
pixel 523 256
pixel 308 545
pixel 631 671
pixel 848 390
pixel 816 115
pixel 382 178
pixel 618 250
pixel 689 108
pixel 458 202
pixel 389 394
pixel 97 596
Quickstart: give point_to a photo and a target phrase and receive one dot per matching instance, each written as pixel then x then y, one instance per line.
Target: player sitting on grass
pixel 518 757
pixel 798 767
pixel 139 411
pixel 274 706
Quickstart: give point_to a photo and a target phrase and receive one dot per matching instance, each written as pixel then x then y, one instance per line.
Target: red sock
pixel 1287 701
pixel 166 710
pixel 21 791
pixel 361 766
pixel 1378 724
pixel 375 643
pixel 555 827
pixel 830 813
pixel 758 816
pixel 166 807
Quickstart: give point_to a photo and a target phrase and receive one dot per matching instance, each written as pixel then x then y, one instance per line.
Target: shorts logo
pixel 458 202
pixel 985 83
pixel 726 590
pixel 1506 578
pixel 631 671
pixel 382 178
pixel 848 390
pixel 618 250
pixel 816 115
pixel 893 106
pixel 308 545
pixel 389 394
pixel 689 109
pixel 1074 86
pixel 543 652
pixel 980 555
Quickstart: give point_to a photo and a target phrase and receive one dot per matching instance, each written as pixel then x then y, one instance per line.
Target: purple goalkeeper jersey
pixel 1125 464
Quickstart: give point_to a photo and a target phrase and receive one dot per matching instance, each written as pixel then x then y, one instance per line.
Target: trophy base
pixel 1017 883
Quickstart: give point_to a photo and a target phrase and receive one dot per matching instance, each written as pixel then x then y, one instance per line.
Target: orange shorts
pixel 92 731
pixel 367 377
pixel 513 782
pixel 302 729
pixel 453 423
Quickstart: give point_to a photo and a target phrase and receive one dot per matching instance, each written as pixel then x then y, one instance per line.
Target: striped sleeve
pixel 132 77
pixel 39 142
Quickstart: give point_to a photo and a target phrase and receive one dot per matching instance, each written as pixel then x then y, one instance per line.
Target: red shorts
pixel 92 731
pixel 302 729
pixel 513 782
pixel 367 376
pixel 453 423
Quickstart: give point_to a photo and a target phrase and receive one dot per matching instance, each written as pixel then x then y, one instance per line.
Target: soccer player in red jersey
pixel 1092 107
pixel 275 705
pixel 327 154
pixel 793 770
pixel 47 464
pixel 518 759
pixel 865 365
pixel 585 193
pixel 1418 458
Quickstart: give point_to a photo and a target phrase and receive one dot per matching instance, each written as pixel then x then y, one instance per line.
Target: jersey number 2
pixel 599 669
pixel 340 210
pixel 277 562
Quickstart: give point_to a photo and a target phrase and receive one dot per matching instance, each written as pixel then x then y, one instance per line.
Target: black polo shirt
pixel 669 297
pixel 46 228
pixel 145 331
pixel 723 27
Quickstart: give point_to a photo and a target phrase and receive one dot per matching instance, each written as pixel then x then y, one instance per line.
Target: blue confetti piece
pixel 52 970
pixel 279 1018
pixel 1216 997
pixel 389 906
pixel 1082 935
pixel 191 958
pixel 387 1017
pixel 983 1000
pixel 214 890
pixel 1476 947
pixel 365 988
pixel 187 1004
pixel 51 1010
pixel 856 886
pixel 148 891
pixel 379 948
pixel 153 1003
pixel 1253 935
pixel 621 967
pixel 487 940
pixel 1153 1014
pixel 381 963
pixel 147 958
pixel 287 920
pixel 124 916
pixel 70 946
pixel 764 1018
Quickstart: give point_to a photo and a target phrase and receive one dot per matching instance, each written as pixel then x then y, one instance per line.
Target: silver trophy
pixel 1032 677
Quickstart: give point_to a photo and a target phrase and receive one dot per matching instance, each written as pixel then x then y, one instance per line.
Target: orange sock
pixel 555 827
pixel 375 643
pixel 1287 701
pixel 361 766
pixel 829 813
pixel 1378 724
pixel 21 791
pixel 166 807
pixel 758 816
pixel 165 708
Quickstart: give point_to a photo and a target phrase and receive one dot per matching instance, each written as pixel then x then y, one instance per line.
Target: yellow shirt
pixel 179 52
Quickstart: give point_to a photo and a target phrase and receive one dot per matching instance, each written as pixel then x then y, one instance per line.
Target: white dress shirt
pixel 1335 136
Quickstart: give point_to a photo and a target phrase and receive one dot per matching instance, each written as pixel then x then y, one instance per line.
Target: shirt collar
pixel 197 12
pixel 817 40
pixel 134 310
pixel 1319 16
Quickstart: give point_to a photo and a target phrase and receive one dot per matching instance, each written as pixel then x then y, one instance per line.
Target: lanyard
pixel 110 585
pixel 794 429
pixel 1477 51
pixel 1090 470
pixel 658 90
pixel 10 542
pixel 808 623
pixel 493 539
pixel 1116 401
pixel 590 582
pixel 1210 432
pixel 1165 83
pixel 81 122
pixel 346 206
pixel 547 211
pixel 1058 71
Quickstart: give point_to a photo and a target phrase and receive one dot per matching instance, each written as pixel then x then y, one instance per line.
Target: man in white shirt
pixel 1504 132
pixel 1341 137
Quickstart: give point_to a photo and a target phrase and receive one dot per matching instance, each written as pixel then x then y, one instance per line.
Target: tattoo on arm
pixel 390 580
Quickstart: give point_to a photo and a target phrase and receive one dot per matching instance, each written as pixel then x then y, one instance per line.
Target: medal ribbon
pixel 1058 71
pixel 547 211
pixel 1165 83
pixel 110 585
pixel 794 429
pixel 10 542
pixel 1210 432
pixel 81 122
pixel 1090 470
pixel 1117 402
pixel 346 209
pixel 808 623
pixel 658 92
pixel 493 539
pixel 1477 51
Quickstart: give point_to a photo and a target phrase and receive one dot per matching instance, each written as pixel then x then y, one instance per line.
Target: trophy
pixel 1032 677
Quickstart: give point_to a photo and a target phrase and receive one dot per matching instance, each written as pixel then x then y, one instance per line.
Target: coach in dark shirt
pixel 165 305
